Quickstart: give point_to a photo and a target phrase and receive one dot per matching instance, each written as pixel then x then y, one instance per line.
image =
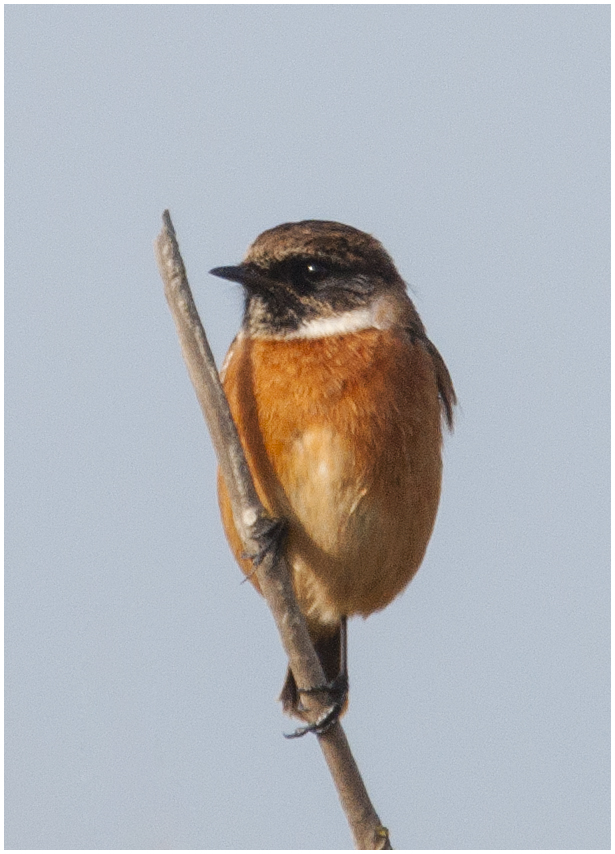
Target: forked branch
pixel 251 521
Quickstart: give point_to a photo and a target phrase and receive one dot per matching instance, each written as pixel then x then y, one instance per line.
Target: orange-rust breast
pixel 343 437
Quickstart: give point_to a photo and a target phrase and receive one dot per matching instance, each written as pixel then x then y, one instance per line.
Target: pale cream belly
pixel 357 533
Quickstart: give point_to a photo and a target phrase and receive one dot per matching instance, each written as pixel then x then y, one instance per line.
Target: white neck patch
pixel 340 324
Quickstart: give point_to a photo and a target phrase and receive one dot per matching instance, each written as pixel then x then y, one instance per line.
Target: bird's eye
pixel 314 271
pixel 305 274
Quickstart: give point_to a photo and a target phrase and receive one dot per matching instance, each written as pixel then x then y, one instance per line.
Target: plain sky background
pixel 141 677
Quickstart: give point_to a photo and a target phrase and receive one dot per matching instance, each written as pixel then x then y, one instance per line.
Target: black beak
pixel 247 275
pixel 233 274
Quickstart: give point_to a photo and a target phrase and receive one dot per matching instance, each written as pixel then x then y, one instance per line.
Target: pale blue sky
pixel 141 677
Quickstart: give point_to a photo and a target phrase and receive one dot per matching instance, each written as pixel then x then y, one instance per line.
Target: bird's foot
pixel 268 537
pixel 337 693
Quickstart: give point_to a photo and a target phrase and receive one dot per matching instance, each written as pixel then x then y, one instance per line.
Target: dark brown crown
pixel 338 244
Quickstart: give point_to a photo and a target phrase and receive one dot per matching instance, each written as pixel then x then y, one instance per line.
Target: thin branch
pixel 251 521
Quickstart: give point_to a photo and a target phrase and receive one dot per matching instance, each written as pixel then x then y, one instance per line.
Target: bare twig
pixel 251 520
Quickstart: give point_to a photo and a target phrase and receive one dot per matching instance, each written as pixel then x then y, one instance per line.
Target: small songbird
pixel 338 396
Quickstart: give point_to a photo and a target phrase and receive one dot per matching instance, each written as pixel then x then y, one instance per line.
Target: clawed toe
pixel 269 539
pixel 321 726
pixel 337 692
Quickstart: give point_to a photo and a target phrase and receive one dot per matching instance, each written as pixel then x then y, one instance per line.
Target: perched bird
pixel 338 396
